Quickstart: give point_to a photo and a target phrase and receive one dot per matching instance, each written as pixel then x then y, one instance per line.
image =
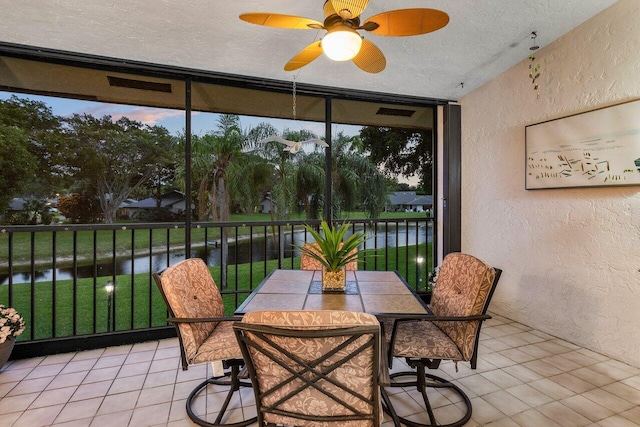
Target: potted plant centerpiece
pixel 333 252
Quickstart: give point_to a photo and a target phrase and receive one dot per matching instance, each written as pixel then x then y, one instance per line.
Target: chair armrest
pixel 432 317
pixel 204 319
pixel 401 318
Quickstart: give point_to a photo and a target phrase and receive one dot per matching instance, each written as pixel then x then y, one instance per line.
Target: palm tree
pixel 355 180
pixel 310 184
pixel 227 147
pixel 213 157
pixel 200 172
pixel 285 166
pixel 370 182
pixel 248 181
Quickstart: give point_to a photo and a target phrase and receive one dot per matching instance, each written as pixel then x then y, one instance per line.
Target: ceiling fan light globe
pixel 341 44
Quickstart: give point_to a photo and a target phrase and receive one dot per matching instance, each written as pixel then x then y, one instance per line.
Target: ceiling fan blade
pixel 349 9
pixel 304 57
pixel 370 58
pixel 408 22
pixel 273 138
pixel 280 21
pixel 316 141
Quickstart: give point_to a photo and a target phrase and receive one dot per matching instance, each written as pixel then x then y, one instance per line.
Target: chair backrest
pixel 309 263
pixel 313 368
pixel 464 288
pixel 190 292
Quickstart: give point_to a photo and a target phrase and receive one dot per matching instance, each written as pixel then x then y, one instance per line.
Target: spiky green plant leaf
pixel 333 250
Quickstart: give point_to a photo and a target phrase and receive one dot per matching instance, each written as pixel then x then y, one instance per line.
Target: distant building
pixel 20 204
pixel 268 204
pixel 123 209
pixel 409 201
pixel 174 201
pixel 16 205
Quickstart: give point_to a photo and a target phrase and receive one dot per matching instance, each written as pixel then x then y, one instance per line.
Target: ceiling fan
pixel 342 41
pixel 293 146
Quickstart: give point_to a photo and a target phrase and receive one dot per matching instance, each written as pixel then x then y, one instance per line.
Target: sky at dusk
pixel 173 120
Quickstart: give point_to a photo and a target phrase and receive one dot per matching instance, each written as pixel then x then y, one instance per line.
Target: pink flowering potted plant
pixel 11 325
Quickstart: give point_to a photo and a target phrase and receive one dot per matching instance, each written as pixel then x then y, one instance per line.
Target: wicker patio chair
pixel 459 305
pixel 205 335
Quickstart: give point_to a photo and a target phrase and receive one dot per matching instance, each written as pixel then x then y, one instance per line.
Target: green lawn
pixel 74 302
pixel 124 238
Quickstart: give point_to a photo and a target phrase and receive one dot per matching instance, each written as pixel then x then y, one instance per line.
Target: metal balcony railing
pixel 84 286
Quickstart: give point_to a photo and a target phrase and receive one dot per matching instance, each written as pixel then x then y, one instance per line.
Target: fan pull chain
pixel 294 97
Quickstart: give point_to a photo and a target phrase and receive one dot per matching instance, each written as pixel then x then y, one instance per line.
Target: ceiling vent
pixel 395 112
pixel 139 84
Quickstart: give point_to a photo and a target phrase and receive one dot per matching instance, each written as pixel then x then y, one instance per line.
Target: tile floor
pixel 524 378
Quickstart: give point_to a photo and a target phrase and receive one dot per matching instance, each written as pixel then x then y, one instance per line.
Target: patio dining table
pixel 381 293
pixel 375 292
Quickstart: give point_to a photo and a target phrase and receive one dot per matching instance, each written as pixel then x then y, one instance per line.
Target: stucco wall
pixel 571 257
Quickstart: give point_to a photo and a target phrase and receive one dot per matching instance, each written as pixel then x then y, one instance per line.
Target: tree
pixel 249 181
pixel 38 210
pixel 113 158
pixel 310 184
pixel 200 174
pixel 401 152
pixel 17 164
pixel 281 183
pixel 43 141
pixel 228 145
pixel 164 170
pixel 212 157
pixel 403 186
pixel 355 180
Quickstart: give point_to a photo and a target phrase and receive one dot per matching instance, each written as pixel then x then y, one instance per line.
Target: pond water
pixel 237 254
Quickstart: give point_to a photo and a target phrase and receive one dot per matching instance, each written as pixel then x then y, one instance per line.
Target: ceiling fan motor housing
pixel 331 18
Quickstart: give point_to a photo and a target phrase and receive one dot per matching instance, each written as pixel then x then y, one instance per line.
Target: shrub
pixel 33 212
pixel 158 215
pixel 79 208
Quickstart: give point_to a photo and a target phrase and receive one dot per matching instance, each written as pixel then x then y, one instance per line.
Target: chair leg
pixel 231 379
pixel 422 382
pixel 388 407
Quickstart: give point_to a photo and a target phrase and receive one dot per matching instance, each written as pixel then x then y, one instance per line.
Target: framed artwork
pixel 597 148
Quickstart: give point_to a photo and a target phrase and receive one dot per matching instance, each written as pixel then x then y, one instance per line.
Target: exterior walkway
pixel 524 378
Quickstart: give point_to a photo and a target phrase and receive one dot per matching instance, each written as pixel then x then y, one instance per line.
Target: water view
pixel 243 251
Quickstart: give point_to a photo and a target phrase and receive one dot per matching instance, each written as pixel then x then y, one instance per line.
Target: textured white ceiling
pixel 483 38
